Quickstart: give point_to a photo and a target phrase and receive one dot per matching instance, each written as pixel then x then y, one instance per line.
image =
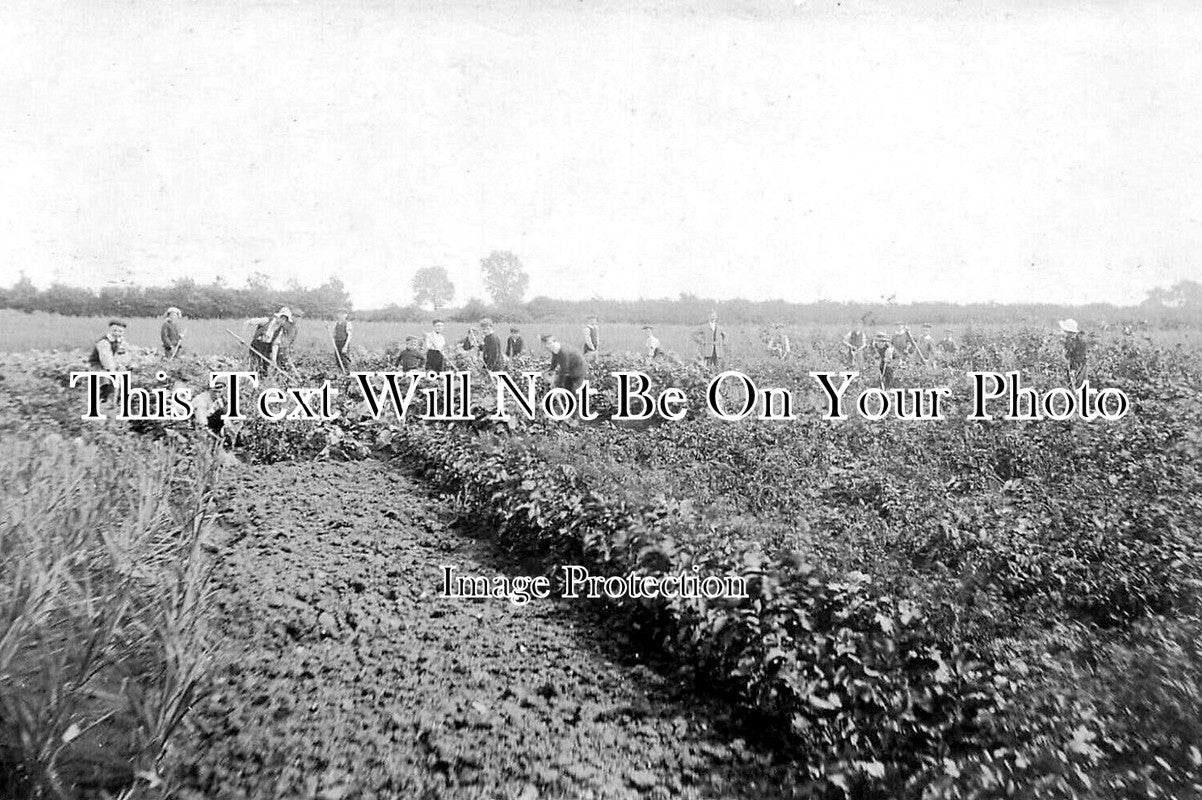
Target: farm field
pixel 946 609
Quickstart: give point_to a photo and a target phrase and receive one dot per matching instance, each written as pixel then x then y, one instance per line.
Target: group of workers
pixel 274 338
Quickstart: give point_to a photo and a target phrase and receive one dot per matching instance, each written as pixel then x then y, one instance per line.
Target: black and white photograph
pixel 599 400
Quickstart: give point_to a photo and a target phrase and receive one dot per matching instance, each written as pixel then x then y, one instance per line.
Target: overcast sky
pixel 966 151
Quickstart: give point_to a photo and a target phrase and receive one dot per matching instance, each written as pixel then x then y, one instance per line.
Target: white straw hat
pixel 1069 326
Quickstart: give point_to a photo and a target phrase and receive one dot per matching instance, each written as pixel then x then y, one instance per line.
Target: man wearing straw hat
pixel 284 338
pixel 1075 351
pixel 170 333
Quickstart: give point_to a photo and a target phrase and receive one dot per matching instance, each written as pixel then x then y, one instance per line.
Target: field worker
pixel 411 359
pixel 947 345
pixel 568 368
pixel 926 344
pixel 712 339
pixel 886 354
pixel 104 355
pixel 778 342
pixel 284 338
pixel 853 345
pixel 592 338
pixel 651 344
pixel 260 343
pixel 491 347
pixel 207 406
pixel 901 340
pixel 1075 351
pixel 343 332
pixel 436 347
pixel 514 345
pixel 170 333
pixel 472 343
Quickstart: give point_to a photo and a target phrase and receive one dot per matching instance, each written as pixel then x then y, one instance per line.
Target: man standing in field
pixel 491 347
pixel 947 345
pixel 778 342
pixel 651 345
pixel 170 333
pixel 1075 351
pixel 901 340
pixel 105 351
pixel 343 331
pixel 886 355
pixel 514 345
pixel 712 339
pixel 926 345
pixel 853 345
pixel 436 347
pixel 260 343
pixel 284 339
pixel 568 369
pixel 592 338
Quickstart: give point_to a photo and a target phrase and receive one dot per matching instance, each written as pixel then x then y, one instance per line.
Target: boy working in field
pixel 491 347
pixel 411 358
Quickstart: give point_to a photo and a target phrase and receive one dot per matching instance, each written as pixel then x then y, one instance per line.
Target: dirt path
pixel 341 672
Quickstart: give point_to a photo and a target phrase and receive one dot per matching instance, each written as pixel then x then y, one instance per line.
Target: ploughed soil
pixel 342 672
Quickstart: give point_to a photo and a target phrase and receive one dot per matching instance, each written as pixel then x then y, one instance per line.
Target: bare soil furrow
pixel 342 672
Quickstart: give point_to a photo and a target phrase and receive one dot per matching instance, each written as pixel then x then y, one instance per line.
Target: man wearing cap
pixel 514 345
pixel 1075 351
pixel 926 344
pixel 947 345
pixel 104 355
pixel 712 339
pixel 283 338
pixel 886 354
pixel 491 347
pixel 411 358
pixel 592 338
pixel 170 333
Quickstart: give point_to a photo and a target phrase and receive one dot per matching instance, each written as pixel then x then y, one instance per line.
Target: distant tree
pixel 504 277
pixel 22 295
pixel 432 287
pixel 1183 294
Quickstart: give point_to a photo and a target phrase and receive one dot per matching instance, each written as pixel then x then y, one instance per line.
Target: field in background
pixel 39 331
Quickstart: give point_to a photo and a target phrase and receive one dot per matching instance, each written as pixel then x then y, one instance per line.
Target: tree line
pixel 1180 304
